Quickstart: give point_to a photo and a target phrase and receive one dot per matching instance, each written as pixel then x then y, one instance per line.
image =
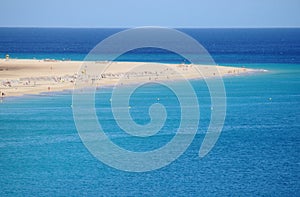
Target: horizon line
pixel 130 27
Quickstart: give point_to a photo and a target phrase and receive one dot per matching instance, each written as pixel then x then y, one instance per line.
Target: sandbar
pixel 30 76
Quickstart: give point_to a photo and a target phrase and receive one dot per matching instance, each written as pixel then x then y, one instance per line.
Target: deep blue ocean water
pixel 257 153
pixel 225 45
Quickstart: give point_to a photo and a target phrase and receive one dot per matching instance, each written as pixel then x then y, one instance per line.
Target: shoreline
pixel 30 76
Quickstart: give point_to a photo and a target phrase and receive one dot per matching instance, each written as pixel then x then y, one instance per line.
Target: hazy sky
pixel 133 13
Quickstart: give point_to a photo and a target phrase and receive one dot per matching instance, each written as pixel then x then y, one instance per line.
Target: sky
pixel 135 13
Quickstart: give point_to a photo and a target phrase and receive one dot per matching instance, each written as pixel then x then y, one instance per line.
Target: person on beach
pixel 1 98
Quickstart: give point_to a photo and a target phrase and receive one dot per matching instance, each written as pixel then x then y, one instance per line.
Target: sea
pixel 257 153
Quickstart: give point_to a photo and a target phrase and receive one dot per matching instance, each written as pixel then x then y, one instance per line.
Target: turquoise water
pixel 256 154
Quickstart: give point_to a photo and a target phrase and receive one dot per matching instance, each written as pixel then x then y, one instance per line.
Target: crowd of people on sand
pixel 93 79
pixel 83 76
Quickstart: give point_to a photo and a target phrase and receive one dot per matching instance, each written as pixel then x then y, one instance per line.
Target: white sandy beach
pixel 28 76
